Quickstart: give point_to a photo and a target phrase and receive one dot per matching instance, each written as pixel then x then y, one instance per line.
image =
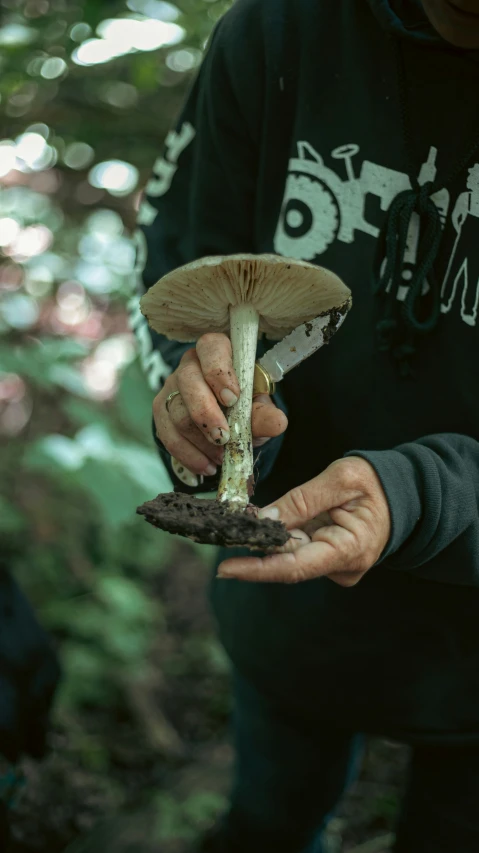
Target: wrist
pixel 398 478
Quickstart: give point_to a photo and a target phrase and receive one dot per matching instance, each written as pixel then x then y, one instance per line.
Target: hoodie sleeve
pixel 201 198
pixel 432 487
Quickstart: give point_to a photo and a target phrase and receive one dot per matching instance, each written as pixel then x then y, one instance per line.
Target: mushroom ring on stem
pixel 244 296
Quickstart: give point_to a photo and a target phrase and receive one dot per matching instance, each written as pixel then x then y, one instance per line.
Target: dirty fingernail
pixel 184 474
pixel 211 470
pixel 229 399
pixel 272 513
pixel 219 436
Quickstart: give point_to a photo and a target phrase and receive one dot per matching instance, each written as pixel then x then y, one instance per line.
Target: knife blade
pixel 296 347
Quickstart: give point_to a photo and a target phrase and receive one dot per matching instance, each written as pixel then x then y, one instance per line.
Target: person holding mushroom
pixel 367 620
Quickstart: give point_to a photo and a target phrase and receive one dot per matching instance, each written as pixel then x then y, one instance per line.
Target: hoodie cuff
pixel 400 481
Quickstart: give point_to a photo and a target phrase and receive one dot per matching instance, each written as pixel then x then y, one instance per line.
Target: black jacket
pixel 293 141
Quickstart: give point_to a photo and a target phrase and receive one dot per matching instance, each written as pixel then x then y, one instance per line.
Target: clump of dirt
pixel 212 523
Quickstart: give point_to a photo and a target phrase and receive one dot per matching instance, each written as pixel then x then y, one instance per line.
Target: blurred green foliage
pixel 88 89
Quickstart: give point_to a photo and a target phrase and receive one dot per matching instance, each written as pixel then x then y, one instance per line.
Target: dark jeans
pixel 290 775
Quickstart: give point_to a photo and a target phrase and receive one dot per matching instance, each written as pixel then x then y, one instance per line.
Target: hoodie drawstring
pixel 402 321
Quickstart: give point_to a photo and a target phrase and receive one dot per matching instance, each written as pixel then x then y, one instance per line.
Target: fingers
pixel 189 455
pixel 289 568
pixel 322 520
pixel 298 540
pixel 358 524
pixel 336 552
pixel 195 428
pixel 181 420
pixel 267 421
pixel 192 450
pixel 216 363
pixel 299 506
pixel 200 402
pixel 335 487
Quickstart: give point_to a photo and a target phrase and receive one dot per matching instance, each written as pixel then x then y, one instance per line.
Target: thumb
pixel 336 486
pixel 301 504
pixel 267 420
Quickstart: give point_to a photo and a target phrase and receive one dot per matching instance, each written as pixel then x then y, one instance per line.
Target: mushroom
pixel 243 296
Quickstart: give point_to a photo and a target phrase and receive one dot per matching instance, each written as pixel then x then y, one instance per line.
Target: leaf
pixel 118 477
pixel 69 378
pixel 94 11
pixel 170 823
pixel 145 468
pixel 11 520
pixel 125 598
pixel 144 72
pixel 106 486
pixel 202 808
pixel 128 645
pixel 84 412
pixel 44 363
pixel 61 349
pixel 134 401
pixel 141 466
pixel 85 676
pixel 17 360
pixel 96 441
pixel 58 450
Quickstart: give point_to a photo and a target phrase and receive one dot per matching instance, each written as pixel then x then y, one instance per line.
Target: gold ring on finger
pixel 169 399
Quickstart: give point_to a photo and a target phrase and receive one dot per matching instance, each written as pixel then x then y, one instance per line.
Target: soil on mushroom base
pixel 212 523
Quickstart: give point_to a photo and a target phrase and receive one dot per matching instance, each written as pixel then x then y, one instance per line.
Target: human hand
pixel 195 429
pixel 339 523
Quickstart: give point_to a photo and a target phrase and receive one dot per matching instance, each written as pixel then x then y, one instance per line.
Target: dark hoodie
pixel 307 120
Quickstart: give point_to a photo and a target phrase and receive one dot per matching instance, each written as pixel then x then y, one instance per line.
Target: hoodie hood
pixel 407 19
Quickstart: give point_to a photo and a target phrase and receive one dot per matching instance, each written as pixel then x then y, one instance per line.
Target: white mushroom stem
pixel 237 472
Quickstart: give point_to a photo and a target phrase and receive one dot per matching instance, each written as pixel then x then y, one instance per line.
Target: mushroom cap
pixel 195 299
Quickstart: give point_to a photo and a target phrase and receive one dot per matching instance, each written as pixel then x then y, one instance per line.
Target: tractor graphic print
pixel 320 206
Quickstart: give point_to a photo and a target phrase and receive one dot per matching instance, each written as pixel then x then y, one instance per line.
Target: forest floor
pixel 152 780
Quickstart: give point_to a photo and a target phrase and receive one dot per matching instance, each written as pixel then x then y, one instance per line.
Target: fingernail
pixel 211 470
pixel 187 477
pixel 220 436
pixel 258 442
pixel 229 399
pixel 272 513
